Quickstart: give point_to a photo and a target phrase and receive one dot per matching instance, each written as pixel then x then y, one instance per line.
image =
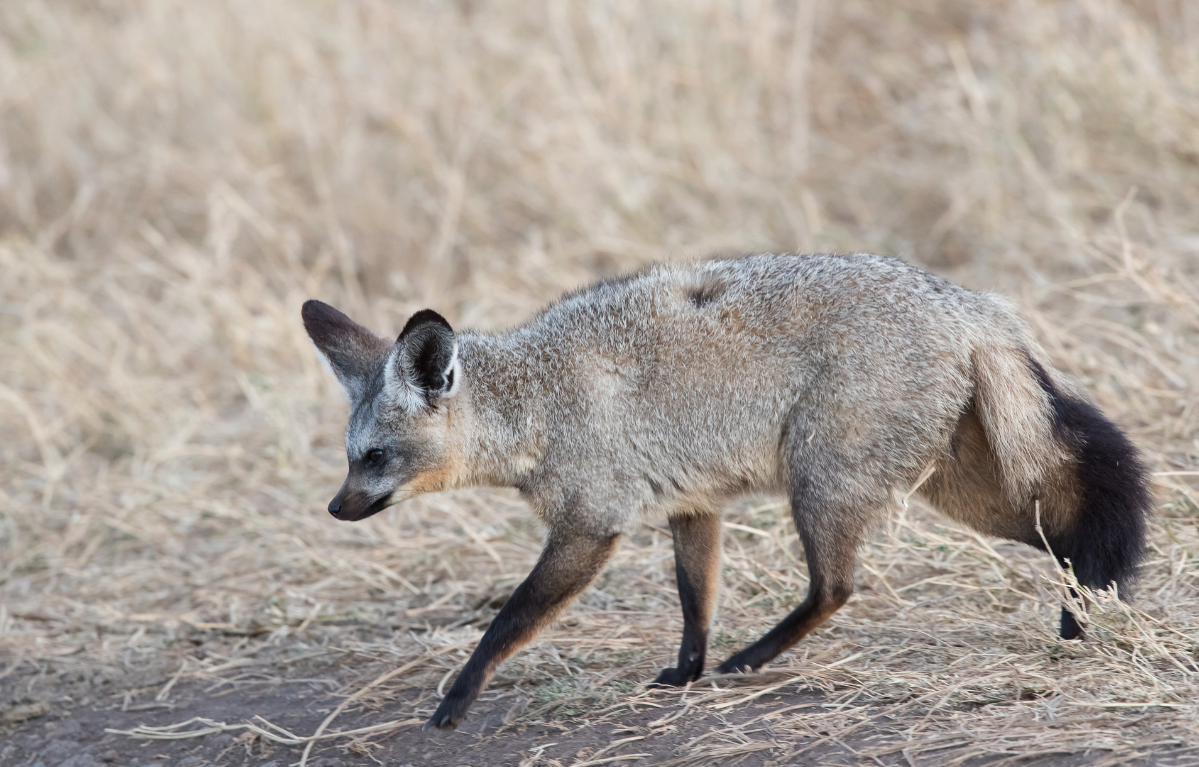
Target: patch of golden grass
pixel 175 178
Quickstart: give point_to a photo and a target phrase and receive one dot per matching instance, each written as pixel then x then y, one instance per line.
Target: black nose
pixel 335 508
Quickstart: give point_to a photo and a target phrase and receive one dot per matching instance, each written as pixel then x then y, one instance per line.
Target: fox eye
pixel 374 456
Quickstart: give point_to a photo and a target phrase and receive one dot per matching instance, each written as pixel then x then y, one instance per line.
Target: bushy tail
pixel 1107 541
pixel 1051 443
pixel 1018 419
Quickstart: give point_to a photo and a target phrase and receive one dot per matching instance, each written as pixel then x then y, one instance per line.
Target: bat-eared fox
pixel 840 381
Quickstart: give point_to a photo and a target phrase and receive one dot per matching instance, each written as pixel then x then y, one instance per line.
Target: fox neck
pixel 502 426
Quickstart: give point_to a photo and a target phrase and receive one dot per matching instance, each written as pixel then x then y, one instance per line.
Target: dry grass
pixel 176 177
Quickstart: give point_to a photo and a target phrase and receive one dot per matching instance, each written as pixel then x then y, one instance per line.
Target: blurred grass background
pixel 176 178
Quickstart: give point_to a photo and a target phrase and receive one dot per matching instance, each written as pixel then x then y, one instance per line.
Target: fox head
pixel 398 441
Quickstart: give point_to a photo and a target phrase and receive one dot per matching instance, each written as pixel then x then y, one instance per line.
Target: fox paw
pixel 448 715
pixel 674 677
pixel 736 665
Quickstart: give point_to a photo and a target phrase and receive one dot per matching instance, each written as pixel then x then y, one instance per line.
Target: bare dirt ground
pixel 176 178
pixel 79 716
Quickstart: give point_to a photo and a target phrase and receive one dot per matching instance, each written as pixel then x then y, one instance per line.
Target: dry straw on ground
pixel 176 177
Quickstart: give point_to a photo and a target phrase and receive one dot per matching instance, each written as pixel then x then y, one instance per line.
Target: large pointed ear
pixel 424 365
pixel 350 348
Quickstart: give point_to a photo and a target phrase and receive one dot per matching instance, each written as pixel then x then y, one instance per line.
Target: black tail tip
pixel 1107 542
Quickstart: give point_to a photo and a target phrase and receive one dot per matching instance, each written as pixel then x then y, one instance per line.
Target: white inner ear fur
pixel 397 386
pixel 455 367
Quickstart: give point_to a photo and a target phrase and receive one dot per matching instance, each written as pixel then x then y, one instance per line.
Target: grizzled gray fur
pixel 840 381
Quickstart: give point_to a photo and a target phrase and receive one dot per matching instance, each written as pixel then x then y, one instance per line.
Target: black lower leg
pixel 567 564
pixel 696 559
pixel 790 630
pixel 830 551
pixel 1071 629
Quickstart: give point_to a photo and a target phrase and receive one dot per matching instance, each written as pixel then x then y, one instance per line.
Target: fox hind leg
pixel 830 539
pixel 697 568
pixel 1070 629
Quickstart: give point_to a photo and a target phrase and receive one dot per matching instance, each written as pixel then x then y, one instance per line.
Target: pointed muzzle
pixel 351 505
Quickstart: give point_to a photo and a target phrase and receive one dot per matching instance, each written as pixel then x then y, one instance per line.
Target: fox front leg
pixel 697 566
pixel 568 563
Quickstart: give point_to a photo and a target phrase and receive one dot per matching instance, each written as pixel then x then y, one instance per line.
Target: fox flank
pixel 840 381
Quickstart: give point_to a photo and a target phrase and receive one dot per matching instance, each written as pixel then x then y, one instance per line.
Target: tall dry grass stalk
pixel 176 177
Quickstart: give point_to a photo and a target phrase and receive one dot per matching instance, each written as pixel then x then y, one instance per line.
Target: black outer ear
pixel 428 350
pixel 350 348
